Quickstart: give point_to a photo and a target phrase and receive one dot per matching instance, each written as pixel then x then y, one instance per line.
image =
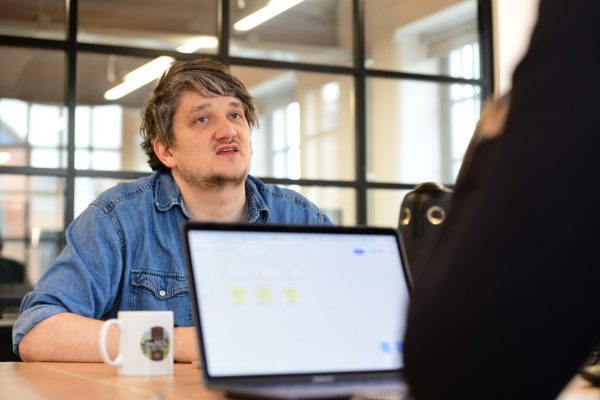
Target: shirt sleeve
pixel 84 279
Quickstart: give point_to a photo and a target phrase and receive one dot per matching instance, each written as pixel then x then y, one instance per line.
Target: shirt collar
pixel 167 194
pixel 258 212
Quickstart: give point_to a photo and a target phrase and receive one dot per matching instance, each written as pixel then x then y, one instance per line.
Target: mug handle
pixel 102 344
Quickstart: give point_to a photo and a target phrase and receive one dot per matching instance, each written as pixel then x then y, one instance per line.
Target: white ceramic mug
pixel 145 343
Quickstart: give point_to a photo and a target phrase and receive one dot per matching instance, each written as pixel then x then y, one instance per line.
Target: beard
pixel 214 181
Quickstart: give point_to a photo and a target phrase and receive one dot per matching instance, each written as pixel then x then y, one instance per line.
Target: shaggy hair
pixel 209 78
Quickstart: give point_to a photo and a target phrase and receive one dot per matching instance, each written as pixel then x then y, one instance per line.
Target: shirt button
pixel 162 293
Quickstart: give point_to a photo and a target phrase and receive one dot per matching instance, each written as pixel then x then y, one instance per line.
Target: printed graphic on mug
pixel 155 343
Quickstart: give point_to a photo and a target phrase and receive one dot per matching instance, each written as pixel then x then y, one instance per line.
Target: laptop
pixel 299 312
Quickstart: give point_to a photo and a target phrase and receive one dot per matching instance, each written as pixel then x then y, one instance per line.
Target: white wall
pixel 513 23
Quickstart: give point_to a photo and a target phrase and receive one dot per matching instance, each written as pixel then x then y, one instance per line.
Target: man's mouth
pixel 229 149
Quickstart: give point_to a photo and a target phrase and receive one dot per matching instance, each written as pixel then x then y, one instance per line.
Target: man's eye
pixel 202 120
pixel 236 116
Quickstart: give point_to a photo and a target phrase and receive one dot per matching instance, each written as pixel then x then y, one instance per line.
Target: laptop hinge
pixel 323 378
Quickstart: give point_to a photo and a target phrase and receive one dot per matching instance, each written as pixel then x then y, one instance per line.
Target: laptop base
pixel 376 390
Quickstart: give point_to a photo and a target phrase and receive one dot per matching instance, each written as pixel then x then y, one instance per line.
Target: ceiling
pixel 38 75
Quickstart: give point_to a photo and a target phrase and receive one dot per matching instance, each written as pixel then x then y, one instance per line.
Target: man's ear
pixel 163 152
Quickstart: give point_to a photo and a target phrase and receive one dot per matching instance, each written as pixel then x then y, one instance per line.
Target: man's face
pixel 212 146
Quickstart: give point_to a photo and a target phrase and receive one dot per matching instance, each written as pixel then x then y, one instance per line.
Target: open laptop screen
pixel 297 300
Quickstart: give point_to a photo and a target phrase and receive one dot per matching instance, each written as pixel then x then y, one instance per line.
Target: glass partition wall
pixel 359 100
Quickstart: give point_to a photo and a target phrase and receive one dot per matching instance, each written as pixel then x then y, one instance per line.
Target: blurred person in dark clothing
pixel 506 305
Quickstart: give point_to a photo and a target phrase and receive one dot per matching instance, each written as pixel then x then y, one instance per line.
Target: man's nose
pixel 225 129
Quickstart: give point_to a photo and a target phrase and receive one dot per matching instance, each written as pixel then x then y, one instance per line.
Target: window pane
pixel 421 35
pixel 39 19
pixel 384 206
pixel 183 25
pixel 306 124
pixel 338 203
pixel 33 118
pixel 418 131
pixel 107 131
pixel 31 220
pixel 311 31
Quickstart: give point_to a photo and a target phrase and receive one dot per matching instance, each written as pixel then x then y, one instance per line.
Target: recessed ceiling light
pixel 275 7
pixel 139 77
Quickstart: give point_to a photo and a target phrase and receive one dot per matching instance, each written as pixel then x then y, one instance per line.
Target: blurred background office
pixel 360 100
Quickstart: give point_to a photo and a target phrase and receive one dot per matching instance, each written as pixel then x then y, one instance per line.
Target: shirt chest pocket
pixel 159 290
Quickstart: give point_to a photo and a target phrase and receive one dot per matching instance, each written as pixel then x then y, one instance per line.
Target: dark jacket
pixel 506 306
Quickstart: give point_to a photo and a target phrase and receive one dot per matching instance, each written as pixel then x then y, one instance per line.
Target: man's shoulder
pixel 270 192
pixel 127 191
pixel 283 205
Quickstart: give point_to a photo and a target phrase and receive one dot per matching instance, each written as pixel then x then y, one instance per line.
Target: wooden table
pixel 91 381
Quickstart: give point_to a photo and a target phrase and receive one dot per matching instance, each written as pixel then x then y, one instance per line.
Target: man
pixel 506 305
pixel 124 252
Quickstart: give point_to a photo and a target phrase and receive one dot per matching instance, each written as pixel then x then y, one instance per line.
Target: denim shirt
pixel 124 251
